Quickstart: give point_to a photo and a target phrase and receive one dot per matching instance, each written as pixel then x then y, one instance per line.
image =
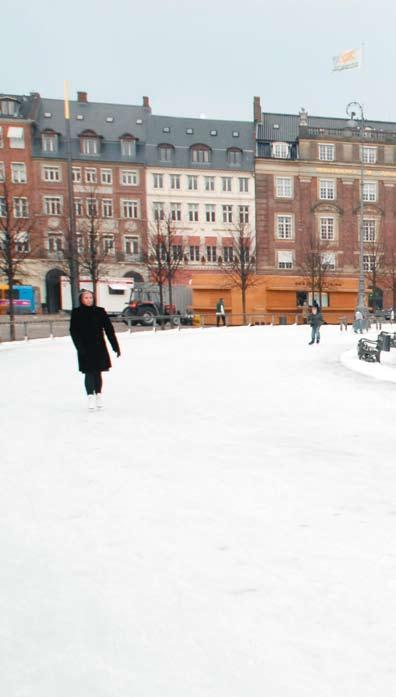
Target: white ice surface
pixel 226 527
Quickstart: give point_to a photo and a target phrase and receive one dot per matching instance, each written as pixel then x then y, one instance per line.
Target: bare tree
pixel 375 264
pixel 17 222
pixel 389 270
pixel 315 263
pixel 163 254
pixel 239 263
pixel 93 248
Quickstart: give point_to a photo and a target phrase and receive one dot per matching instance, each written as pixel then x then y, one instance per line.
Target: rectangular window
pixel 51 174
pixel 326 151
pixel 228 255
pixel 280 150
pixel 106 176
pixel 193 212
pixel 234 157
pixel 209 183
pixel 90 146
pixel 328 261
pixel 369 230
pixel 194 253
pixel 1 138
pixel 192 182
pixel 108 244
pixel 177 251
pixel 201 155
pixel 285 260
pixel 129 177
pixel 211 253
pixel 226 183
pixel 107 207
pixel 327 189
pixel 76 175
pixel 243 214
pixel 131 245
pixel 78 207
pixel 49 142
pixel 54 243
pixel 52 205
pixel 80 243
pixel 90 176
pixel 323 299
pixel 369 262
pixel 91 207
pixel 175 181
pixel 369 191
pixel 2 172
pixel 158 211
pixel 18 173
pixel 284 187
pixel 16 137
pixel 327 228
pixel 227 214
pixel 210 213
pixel 243 184
pixel 369 155
pixel 166 153
pixel 158 181
pixel 22 242
pixel 130 209
pixel 127 147
pixel 3 207
pixel 175 210
pixel 284 227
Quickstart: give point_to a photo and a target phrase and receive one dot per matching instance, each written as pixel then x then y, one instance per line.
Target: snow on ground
pixel 224 528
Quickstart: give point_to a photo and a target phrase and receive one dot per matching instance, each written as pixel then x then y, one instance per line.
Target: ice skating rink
pixel 226 527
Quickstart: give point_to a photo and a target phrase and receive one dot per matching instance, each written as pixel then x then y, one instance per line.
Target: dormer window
pixel 128 145
pixel 281 150
pixel 166 152
pixel 201 154
pixel 89 143
pixel 9 107
pixel 234 156
pixel 49 141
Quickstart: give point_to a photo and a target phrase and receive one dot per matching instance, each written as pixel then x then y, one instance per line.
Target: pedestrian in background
pixel 358 322
pixel 220 312
pixel 315 319
pixel 87 327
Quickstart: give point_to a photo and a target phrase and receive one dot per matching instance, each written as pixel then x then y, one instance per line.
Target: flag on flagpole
pixel 348 59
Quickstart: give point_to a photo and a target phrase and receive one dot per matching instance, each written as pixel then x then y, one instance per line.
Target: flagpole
pixel 72 246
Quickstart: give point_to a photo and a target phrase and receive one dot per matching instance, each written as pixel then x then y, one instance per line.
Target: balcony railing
pixel 347 133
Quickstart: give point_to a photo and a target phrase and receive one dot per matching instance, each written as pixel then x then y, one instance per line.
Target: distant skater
pixel 87 326
pixel 358 322
pixel 220 312
pixel 315 319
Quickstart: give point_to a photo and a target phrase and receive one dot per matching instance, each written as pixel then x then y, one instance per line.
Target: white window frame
pixel 158 210
pixel 57 238
pixel 90 145
pixel 326 152
pixel 91 207
pixel 130 209
pixel 328 259
pixel 243 185
pixel 226 184
pixel 107 208
pixel 370 191
pixel 133 240
pixel 174 181
pixel 19 142
pixel 327 228
pixel 22 242
pixel 158 181
pixel 194 252
pixel 193 212
pixel 53 205
pixel 22 168
pixel 192 182
pixel 369 154
pixel 210 212
pixel 201 155
pixel 1 137
pixel 166 153
pixel 91 175
pixel 127 147
pixel 76 175
pixel 327 189
pixel 227 213
pixel 280 150
pixel 284 226
pixel 176 212
pixel 49 142
pixel 51 173
pixel 2 171
pixel 78 207
pixel 369 262
pixel 284 259
pixel 211 253
pixel 108 245
pixel 284 187
pixel 243 214
pixel 106 176
pixel 210 183
pixel 369 229
pixel 129 177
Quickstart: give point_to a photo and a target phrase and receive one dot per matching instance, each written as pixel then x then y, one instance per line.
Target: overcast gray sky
pixel 203 56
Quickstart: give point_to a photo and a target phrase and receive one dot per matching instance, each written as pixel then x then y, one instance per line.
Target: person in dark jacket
pixel 88 322
pixel 315 319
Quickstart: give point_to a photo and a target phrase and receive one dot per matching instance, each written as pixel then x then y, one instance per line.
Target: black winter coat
pixel 315 320
pixel 86 329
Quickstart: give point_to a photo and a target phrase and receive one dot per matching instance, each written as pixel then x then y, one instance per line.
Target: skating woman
pixel 88 322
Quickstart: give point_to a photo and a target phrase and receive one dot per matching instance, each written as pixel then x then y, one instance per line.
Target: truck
pixel 137 303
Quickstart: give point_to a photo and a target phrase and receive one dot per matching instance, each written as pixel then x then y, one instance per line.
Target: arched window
pixel 234 156
pixel 166 152
pixel 201 154
pixel 89 143
pixel 128 145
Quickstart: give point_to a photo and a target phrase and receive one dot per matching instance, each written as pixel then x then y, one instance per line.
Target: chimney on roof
pixel 257 113
pixel 82 97
pixel 146 104
pixel 303 117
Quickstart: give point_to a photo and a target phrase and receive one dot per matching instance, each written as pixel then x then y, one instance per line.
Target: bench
pixel 370 349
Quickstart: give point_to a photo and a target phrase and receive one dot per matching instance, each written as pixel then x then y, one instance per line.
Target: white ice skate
pixel 99 401
pixel 91 402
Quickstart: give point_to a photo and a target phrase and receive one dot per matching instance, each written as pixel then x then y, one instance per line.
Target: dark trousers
pixel 220 317
pixel 93 383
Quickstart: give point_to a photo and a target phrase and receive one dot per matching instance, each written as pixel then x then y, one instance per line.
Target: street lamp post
pixel 351 112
